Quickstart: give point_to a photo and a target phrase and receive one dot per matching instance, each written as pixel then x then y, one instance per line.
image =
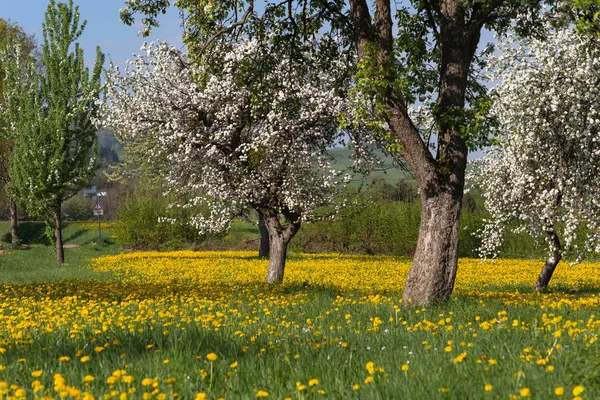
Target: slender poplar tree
pixel 56 147
pixel 16 50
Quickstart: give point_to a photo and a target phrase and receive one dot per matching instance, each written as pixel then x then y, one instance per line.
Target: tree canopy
pixel 54 110
pixel 542 178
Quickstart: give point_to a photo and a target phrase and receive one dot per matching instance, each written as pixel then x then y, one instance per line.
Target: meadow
pixel 203 325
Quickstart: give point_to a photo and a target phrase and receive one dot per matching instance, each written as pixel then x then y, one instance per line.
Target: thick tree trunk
pixel 14 237
pixel 551 263
pixel 263 248
pixel 279 238
pixel 277 257
pixel 441 179
pixel 431 278
pixel 60 255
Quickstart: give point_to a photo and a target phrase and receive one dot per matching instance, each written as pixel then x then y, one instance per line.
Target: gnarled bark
pixel 279 238
pixel 431 278
pixel 60 255
pixel 551 263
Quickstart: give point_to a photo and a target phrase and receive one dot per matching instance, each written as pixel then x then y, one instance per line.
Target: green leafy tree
pixel 56 149
pixel 13 39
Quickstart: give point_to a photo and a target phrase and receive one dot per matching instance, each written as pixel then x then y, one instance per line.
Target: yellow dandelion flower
pixel 88 378
pixel 262 393
pixel 313 382
pixel 405 367
pixel 200 396
pixel 84 359
pixel 356 386
pixel 368 379
pixel 559 391
pixel 147 381
pixel 37 374
pixel 211 357
pixel 233 365
pixel 488 388
pixel 64 358
pixel 370 366
pixel 459 358
pixel 577 390
pixel 525 392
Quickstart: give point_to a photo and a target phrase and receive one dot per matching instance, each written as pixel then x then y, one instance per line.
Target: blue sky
pixel 104 28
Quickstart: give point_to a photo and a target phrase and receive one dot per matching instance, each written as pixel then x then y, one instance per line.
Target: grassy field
pixel 36 261
pixel 195 325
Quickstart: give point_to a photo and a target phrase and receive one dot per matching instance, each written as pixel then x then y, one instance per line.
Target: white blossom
pixel 543 175
pixel 224 146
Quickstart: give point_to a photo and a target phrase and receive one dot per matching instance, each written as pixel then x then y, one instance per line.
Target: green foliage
pixel 372 225
pixel 55 136
pixel 585 13
pixel 145 222
pixel 77 208
pixel 12 34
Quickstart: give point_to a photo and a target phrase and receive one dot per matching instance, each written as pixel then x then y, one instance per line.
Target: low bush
pixel 77 208
pixel 142 225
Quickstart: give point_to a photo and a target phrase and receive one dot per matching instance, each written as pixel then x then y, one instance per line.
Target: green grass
pixel 36 261
pixel 243 235
pixel 173 308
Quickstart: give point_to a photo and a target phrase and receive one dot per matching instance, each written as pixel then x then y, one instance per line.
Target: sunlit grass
pixel 173 325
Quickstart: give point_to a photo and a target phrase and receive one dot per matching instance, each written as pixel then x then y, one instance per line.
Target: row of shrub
pixel 376 223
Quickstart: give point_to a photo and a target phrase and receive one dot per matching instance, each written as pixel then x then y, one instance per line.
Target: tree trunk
pixel 277 257
pixel 263 248
pixel 431 277
pixel 14 237
pixel 279 238
pixel 60 255
pixel 551 263
pixel 441 180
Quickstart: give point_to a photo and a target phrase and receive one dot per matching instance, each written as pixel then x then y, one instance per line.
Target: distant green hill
pixel 387 171
pixel 107 139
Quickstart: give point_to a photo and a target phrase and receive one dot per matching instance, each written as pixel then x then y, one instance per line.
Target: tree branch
pixel 225 30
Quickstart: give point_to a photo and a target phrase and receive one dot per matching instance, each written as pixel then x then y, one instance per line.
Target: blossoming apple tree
pixel 542 178
pixel 250 129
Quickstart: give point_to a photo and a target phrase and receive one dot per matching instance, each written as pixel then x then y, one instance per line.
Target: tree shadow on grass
pixel 30 232
pixel 78 233
pixel 115 290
